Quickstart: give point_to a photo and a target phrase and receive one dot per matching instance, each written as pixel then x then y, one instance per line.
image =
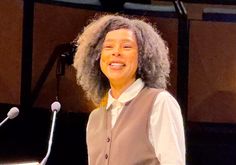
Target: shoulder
pixel 97 114
pixel 167 104
pixel 152 91
pixel 161 94
pixel 165 97
pixel 94 113
pixel 92 117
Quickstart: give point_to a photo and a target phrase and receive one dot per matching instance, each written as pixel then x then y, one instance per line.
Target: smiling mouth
pixel 116 64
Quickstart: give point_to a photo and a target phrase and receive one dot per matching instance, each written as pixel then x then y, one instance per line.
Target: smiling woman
pixel 123 66
pixel 119 59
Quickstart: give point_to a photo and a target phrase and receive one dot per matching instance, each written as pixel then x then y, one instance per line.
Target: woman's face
pixel 119 57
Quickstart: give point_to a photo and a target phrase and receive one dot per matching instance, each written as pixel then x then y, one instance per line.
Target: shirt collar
pixel 128 94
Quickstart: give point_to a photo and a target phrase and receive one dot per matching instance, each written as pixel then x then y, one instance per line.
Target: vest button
pixel 108 139
pixel 106 156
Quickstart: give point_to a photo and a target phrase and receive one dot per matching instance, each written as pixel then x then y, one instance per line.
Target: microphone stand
pixel 43 162
pixel 4 121
pixel 60 70
pixel 66 57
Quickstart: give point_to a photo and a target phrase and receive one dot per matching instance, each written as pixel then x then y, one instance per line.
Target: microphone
pixel 55 107
pixel 13 112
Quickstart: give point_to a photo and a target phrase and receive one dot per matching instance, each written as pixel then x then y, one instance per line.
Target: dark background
pixel 33 36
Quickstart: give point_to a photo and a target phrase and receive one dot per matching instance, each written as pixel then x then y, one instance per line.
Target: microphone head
pixel 55 106
pixel 14 111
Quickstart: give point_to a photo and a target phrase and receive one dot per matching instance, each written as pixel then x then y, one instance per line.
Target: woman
pixel 123 66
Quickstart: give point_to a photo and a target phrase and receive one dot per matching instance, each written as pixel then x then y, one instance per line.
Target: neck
pixel 118 88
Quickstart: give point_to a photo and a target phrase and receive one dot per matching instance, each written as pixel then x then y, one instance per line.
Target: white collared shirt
pixel 166 132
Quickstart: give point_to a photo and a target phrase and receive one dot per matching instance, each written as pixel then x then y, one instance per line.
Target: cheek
pixel 136 66
pixel 102 62
pixel 103 57
pixel 134 61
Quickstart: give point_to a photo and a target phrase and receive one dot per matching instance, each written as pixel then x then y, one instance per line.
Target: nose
pixel 116 51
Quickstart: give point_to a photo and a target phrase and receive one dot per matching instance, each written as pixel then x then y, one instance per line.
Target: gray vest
pixel 127 143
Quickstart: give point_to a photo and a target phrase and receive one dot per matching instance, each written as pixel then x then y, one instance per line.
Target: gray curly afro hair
pixel 153 66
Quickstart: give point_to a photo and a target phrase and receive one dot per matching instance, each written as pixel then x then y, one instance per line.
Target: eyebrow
pixel 126 40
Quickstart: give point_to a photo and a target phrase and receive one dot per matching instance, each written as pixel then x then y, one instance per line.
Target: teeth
pixel 116 64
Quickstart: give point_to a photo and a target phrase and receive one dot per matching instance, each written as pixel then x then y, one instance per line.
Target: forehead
pixel 120 34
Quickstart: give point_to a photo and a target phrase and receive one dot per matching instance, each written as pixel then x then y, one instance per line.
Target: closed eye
pixel 127 46
pixel 107 46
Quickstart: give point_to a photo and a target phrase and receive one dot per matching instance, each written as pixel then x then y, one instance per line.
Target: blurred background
pixel 36 53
